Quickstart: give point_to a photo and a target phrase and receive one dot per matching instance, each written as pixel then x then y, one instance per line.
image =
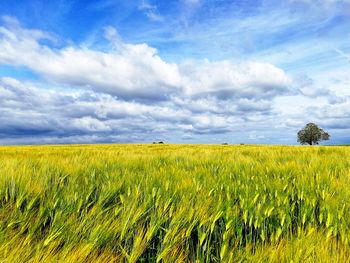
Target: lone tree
pixel 312 134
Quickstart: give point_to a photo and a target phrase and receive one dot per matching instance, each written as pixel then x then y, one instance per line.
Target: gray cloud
pixel 307 88
pixel 29 112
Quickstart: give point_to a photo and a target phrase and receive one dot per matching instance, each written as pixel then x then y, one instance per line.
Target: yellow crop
pixel 174 203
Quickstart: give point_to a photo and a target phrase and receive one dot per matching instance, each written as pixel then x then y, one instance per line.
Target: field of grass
pixel 172 203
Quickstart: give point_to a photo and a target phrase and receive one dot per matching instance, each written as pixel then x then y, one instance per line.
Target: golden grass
pixel 174 203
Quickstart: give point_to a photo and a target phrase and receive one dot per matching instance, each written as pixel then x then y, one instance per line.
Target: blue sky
pixel 182 71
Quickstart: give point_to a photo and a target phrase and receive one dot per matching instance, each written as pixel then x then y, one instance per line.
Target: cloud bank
pixel 128 93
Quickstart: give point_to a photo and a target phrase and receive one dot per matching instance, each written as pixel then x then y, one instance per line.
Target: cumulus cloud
pixel 28 111
pixel 137 71
pixel 33 114
pixel 224 79
pixel 129 93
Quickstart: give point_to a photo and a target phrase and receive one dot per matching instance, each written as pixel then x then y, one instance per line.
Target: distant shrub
pixel 160 142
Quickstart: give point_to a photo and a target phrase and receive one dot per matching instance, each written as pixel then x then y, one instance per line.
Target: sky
pixel 178 71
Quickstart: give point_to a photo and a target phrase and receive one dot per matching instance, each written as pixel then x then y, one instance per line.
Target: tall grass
pixel 169 203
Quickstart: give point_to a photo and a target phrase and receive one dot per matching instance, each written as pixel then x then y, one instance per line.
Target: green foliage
pixel 168 203
pixel 312 134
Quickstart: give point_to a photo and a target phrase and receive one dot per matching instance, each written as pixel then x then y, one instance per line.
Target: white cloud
pixel 225 79
pixel 130 93
pixel 134 71
pixel 137 71
pixel 151 11
pixel 28 111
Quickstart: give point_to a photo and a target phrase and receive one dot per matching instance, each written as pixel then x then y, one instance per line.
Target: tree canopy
pixel 311 134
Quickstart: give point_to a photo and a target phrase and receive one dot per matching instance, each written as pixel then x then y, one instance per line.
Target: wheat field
pixel 174 203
